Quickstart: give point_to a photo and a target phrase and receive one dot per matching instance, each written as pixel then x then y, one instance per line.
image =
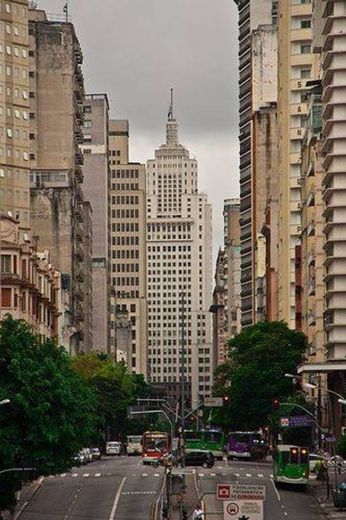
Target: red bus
pixel 154 445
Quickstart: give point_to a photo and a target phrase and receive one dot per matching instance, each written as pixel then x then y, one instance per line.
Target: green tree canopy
pixel 116 389
pixel 253 375
pixel 52 411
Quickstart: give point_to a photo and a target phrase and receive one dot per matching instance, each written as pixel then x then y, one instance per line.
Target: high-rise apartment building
pixel 179 260
pixel 294 71
pixel 257 86
pixel 231 214
pixel 14 113
pixel 128 251
pixel 96 186
pixel 56 95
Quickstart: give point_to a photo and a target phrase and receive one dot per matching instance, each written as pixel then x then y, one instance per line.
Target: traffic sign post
pixel 232 491
pixel 223 492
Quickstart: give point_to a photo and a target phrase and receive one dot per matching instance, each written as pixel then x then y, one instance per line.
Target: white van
pixel 134 445
pixel 113 448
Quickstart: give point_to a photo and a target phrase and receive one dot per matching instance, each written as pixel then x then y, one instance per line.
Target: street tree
pixel 253 375
pixel 51 414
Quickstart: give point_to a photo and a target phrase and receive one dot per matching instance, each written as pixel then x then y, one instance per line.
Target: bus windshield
pixel 212 436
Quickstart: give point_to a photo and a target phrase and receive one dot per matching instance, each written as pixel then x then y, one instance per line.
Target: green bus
pixel 213 441
pixel 291 465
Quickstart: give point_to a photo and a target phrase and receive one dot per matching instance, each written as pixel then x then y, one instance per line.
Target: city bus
pixel 154 446
pixel 291 465
pixel 242 445
pixel 213 441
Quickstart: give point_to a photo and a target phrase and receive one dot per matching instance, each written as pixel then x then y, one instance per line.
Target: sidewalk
pixel 326 503
pixel 191 498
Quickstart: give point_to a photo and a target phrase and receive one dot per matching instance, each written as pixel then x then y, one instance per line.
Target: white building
pixel 179 260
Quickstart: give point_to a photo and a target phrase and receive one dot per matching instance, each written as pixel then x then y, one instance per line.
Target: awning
pixel 322 367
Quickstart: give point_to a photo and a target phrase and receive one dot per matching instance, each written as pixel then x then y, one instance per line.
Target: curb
pixel 27 502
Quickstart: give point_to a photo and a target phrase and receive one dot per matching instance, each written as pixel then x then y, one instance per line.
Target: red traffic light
pixel 225 399
pixel 276 403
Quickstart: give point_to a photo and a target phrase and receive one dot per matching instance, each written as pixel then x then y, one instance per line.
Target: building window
pixel 6 263
pixel 6 298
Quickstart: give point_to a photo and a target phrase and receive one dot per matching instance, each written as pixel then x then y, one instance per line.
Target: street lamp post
pixel 182 376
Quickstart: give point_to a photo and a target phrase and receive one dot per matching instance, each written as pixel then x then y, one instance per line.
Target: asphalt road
pixel 115 488
pixel 283 503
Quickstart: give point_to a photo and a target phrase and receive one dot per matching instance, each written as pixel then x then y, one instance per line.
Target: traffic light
pixel 276 404
pixel 225 399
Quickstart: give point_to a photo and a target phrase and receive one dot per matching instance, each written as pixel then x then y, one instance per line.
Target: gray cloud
pixel 135 50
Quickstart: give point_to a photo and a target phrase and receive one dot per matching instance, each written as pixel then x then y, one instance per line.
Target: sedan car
pixel 96 454
pixel 199 458
pixel 87 454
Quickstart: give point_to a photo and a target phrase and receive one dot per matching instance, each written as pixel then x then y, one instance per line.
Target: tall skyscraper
pixel 257 86
pixel 57 201
pixel 14 113
pixel 294 71
pixel 96 186
pixel 179 260
pixel 128 251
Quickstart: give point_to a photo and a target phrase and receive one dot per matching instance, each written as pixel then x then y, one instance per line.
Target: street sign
pixel 213 402
pixel 243 510
pixel 247 492
pixel 223 491
pixel 284 422
pixel 296 421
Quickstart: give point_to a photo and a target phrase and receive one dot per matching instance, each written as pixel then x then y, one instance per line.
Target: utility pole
pixel 182 379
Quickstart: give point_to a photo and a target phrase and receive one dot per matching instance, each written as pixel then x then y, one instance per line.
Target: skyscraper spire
pixel 170 113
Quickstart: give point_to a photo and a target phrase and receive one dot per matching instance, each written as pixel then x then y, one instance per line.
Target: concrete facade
pixel 294 70
pixel 231 214
pixel 128 251
pixel 179 260
pixel 220 333
pixel 14 113
pixel 56 117
pixel 96 185
pixel 257 85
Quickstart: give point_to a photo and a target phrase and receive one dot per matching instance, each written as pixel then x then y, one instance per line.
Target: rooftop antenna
pixel 170 113
pixel 66 10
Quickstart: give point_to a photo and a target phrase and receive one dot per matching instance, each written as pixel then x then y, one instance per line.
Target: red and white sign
pixel 223 492
pixel 240 509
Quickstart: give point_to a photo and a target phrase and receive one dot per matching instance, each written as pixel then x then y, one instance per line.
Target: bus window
pixel 304 456
pixel 294 455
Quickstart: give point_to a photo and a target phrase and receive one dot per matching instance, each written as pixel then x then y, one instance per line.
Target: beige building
pixel 218 308
pixel 56 117
pixel 294 70
pixel 265 215
pixel 231 214
pixel 29 284
pixel 257 86
pixel 128 251
pixel 179 261
pixel 96 185
pixel 14 113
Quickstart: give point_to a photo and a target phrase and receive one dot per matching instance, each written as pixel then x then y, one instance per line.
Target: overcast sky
pixel 135 50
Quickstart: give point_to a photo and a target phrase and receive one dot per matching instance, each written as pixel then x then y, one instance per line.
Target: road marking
pixel 63 475
pixel 236 474
pixel 201 474
pixel 145 475
pixel 74 474
pixel 116 499
pixel 97 474
pixel 138 493
pixel 271 476
pixel 276 491
pixel 156 474
pixel 248 475
pixel 260 475
pixel 85 474
pixel 213 474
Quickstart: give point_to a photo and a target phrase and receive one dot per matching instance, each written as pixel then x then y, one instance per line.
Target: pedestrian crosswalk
pixel 234 475
pixel 99 475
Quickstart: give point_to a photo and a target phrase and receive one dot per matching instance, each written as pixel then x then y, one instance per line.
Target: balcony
pixel 311 318
pixel 78 174
pixel 311 258
pixel 79 157
pixel 311 286
pixel 78 212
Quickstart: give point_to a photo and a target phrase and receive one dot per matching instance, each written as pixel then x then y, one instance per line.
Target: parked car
pixel 79 459
pixel 87 454
pixel 96 454
pixel 199 458
pixel 114 448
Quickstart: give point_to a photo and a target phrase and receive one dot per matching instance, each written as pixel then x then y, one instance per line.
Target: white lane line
pixel 276 491
pixel 75 475
pixel 85 475
pixel 63 475
pixel 145 475
pixel 201 474
pixel 271 476
pixel 213 474
pixel 97 474
pixel 117 498
pixel 156 474
pixel 248 475
pixel 260 475
pixel 236 474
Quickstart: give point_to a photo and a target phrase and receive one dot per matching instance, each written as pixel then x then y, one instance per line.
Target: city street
pixel 285 502
pixel 118 488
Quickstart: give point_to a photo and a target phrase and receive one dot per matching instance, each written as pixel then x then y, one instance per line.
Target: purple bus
pixel 246 445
